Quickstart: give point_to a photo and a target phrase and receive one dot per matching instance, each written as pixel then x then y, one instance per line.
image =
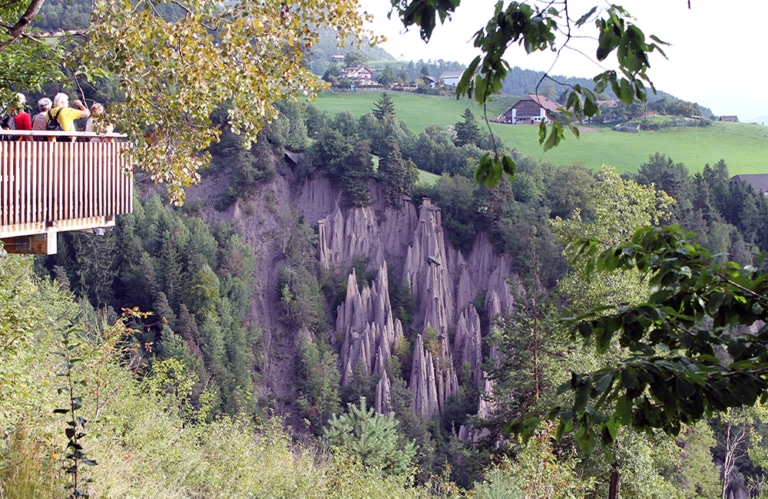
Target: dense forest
pixel 134 362
pixel 196 283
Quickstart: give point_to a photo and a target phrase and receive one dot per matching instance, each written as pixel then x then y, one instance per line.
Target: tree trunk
pixel 615 483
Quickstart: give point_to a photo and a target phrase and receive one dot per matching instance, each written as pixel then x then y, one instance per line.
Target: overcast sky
pixel 717 55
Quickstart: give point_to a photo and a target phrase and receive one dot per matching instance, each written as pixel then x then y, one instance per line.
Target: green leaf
pixel 623 411
pixel 508 164
pixel 603 383
pixel 583 19
pixel 481 89
pixel 483 169
pixel 683 388
pixel 715 300
pixel 736 347
pixel 629 378
pixel 625 94
pixel 746 394
pixel 564 427
pixel 582 395
pixel 585 329
pixel 603 339
pixel 590 106
pixel 529 426
pixel 554 136
pixel 585 439
pixel 609 432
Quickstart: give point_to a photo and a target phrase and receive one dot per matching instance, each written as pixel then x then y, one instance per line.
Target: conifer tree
pixel 139 284
pixel 396 174
pixel 187 327
pixel 357 168
pixel 467 131
pixel 202 292
pixel 94 266
pixel 173 346
pixel 212 346
pixel 371 438
pixel 317 384
pixel 163 310
pixel 171 271
pixel 384 108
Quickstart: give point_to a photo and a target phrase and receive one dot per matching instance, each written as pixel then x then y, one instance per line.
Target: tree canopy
pixel 175 62
pixel 696 344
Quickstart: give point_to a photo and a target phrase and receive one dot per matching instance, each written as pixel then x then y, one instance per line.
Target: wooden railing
pixel 48 187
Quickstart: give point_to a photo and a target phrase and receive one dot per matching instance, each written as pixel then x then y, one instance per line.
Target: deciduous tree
pixel 176 65
pixel 670 376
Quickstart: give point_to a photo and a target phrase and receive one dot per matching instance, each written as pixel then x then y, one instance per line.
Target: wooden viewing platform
pixel 50 187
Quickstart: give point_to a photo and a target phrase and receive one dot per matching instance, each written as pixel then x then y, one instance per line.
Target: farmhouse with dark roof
pixel 531 109
pixel 758 181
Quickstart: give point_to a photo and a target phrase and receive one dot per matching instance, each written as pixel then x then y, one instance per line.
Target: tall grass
pixel 28 466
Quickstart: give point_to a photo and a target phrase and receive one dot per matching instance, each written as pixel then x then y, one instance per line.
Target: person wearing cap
pixel 67 115
pixel 38 121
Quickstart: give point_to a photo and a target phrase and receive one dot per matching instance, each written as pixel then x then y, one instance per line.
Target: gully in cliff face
pixel 442 302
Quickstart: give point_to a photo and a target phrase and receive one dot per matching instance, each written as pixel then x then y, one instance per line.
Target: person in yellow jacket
pixel 66 115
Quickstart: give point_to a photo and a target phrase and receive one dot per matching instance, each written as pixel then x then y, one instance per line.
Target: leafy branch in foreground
pixel 697 345
pixel 537 29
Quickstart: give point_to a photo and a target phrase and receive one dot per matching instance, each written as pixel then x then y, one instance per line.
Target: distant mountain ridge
pixel 519 81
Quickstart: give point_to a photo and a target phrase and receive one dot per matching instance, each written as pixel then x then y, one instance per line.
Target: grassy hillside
pixel 744 147
pixel 419 111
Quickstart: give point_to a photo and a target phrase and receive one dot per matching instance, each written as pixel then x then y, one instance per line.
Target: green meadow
pixel 744 147
pixel 419 111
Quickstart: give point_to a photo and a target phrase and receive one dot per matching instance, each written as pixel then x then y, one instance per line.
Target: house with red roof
pixel 362 74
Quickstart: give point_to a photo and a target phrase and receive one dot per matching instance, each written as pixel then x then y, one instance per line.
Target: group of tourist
pixel 57 111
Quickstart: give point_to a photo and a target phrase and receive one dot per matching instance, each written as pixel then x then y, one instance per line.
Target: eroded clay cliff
pixel 445 285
